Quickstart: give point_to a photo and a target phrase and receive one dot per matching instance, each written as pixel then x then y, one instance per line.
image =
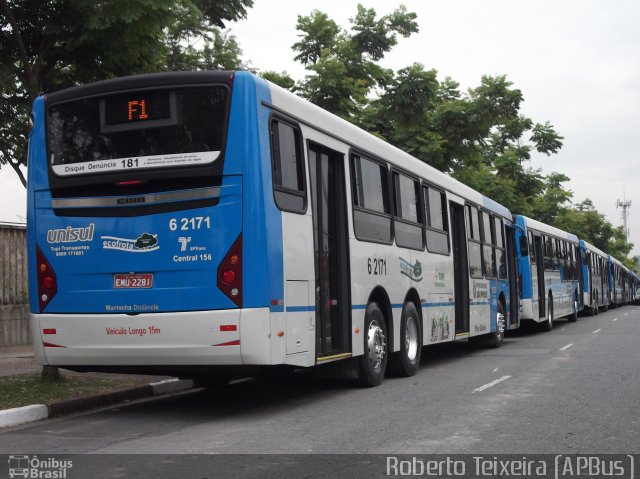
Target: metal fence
pixel 14 309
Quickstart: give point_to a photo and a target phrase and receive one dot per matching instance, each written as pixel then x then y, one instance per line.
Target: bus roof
pixel 592 248
pixel 545 228
pixel 617 262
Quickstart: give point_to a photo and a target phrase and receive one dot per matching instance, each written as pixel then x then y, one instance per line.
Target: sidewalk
pixel 20 360
pixel 17 360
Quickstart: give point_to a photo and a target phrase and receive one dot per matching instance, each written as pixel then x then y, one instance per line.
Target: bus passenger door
pixel 542 296
pixel 331 247
pixel 460 267
pixel 512 264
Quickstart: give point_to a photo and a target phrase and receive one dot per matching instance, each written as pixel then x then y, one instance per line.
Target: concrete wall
pixel 14 307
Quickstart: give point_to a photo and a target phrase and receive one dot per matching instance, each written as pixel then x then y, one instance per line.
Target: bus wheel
pixel 548 324
pixel 573 317
pixel 373 363
pixel 497 338
pixel 407 361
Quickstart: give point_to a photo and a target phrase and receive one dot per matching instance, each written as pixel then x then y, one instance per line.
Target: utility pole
pixel 626 206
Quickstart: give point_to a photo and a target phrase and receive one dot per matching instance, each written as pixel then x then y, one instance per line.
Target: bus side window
pixel 436 224
pixel 501 259
pixel 474 243
pixel 548 252
pixel 488 240
pixel 288 167
pixel 408 212
pixel 371 205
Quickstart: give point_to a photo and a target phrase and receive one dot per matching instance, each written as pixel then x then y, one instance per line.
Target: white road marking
pixel 597 331
pixel 626 314
pixel 614 319
pixel 495 370
pixel 492 383
pixel 564 348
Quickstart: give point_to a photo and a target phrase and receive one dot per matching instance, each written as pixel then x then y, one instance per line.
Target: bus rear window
pixel 159 128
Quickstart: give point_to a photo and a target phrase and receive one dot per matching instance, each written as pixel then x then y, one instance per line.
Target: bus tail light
pixel 47 284
pixel 230 273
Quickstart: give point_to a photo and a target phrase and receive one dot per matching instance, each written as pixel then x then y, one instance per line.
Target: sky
pixel 577 63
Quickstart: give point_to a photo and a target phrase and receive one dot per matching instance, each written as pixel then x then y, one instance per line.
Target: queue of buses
pixel 211 224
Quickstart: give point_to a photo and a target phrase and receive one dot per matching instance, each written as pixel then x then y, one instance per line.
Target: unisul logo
pixel 33 467
pixel 70 234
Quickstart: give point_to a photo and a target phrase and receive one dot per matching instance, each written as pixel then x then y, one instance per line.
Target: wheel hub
pixel 500 324
pixel 411 339
pixel 376 344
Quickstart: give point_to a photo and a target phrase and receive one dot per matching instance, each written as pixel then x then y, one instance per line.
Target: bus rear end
pixel 136 226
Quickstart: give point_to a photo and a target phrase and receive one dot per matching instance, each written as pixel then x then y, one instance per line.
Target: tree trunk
pixel 16 168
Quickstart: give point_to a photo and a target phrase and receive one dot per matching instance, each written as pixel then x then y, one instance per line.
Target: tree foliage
pixel 342 65
pixel 479 136
pixel 47 45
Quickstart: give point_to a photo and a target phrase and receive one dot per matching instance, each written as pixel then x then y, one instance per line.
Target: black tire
pixel 573 317
pixel 373 363
pixel 406 362
pixel 497 337
pixel 548 323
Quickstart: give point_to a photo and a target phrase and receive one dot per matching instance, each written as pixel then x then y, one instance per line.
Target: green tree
pixel 588 224
pixel 282 79
pixel 51 44
pixel 342 65
pixel 479 137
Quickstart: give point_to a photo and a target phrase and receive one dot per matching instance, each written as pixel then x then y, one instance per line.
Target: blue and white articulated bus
pixel 620 282
pixel 549 265
pixel 202 224
pixel 595 275
pixel 636 288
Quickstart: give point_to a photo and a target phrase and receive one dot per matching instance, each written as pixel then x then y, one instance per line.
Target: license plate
pixel 132 280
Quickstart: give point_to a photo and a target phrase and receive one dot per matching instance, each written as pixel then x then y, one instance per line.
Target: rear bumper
pixel 202 338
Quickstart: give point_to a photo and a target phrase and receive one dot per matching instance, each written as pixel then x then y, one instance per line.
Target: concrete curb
pixel 37 412
pixel 21 415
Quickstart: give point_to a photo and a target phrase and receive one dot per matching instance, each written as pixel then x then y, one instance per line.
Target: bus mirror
pixel 524 247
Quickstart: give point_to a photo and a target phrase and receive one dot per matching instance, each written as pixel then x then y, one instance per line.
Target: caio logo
pixel 131 201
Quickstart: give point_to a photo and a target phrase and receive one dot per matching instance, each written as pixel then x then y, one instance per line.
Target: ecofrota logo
pixel 143 244
pixel 26 466
pixel 413 271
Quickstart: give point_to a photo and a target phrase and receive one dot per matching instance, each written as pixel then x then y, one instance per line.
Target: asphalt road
pixel 573 390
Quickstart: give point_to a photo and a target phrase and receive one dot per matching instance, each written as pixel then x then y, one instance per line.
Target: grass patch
pixel 27 389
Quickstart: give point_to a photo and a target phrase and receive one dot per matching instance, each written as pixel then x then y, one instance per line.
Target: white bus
pixel 212 222
pixel 549 265
pixel 595 278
